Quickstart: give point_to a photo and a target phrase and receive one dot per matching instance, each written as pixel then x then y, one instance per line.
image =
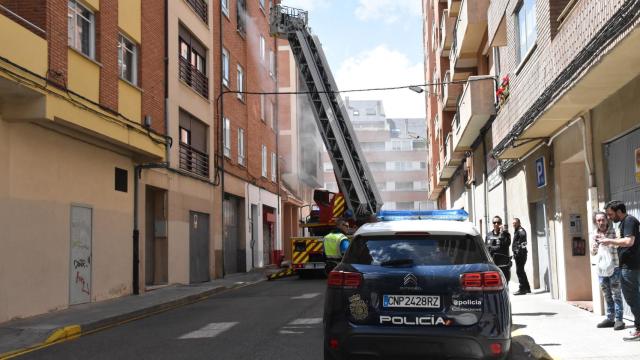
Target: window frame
pixel 121 51
pixel 272 64
pixel 225 67
pixel 264 161
pixel 263 111
pixel 226 137
pixel 240 79
pixel 224 6
pixel 522 53
pixel 274 172
pixel 263 48
pixel 75 7
pixel 241 154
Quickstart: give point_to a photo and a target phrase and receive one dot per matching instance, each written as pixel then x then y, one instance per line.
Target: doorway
pixel 156 252
pixel 198 247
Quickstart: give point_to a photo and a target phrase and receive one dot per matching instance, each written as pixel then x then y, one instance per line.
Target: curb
pixel 75 331
pixel 535 351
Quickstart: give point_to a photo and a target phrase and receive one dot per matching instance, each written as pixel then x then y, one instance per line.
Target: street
pixel 270 320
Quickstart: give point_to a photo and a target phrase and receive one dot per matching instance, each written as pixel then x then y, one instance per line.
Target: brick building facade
pixel 564 123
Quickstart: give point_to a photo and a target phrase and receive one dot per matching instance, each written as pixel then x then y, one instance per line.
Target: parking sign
pixel 541 176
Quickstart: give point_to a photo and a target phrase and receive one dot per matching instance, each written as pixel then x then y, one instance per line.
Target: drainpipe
pixel 137 172
pixel 166 79
pixel 221 149
pixel 275 122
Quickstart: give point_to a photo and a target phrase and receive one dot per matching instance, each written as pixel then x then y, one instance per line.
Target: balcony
pixel 451 161
pixel 193 77
pixel 447 24
pixel 194 161
pixel 476 106
pixel 469 31
pixel 452 157
pixel 200 8
pixel 453 6
pixel 450 93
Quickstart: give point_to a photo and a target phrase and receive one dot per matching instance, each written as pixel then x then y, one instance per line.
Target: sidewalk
pixel 567 332
pixel 39 331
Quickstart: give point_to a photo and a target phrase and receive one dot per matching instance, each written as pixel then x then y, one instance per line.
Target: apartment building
pixel 395 150
pixel 565 136
pixel 78 114
pixel 178 243
pixel 299 147
pixel 245 74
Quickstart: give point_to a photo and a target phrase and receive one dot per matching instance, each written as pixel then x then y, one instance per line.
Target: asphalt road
pixel 271 320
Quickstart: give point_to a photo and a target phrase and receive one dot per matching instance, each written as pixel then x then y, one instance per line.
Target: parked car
pixel 417 289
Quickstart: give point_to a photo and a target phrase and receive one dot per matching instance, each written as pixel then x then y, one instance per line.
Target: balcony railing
pixel 476 106
pixel 193 77
pixel 453 6
pixel 447 24
pixel 450 92
pixel 193 160
pixel 201 8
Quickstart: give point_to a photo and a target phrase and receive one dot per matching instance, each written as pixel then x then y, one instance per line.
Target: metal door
pixel 80 255
pixel 623 185
pixel 255 256
pixel 198 247
pixel 230 235
pixel 542 239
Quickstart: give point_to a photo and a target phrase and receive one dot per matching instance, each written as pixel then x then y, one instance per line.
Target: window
pixel 127 60
pixel 192 68
pixel 241 16
pixel 356 113
pixel 225 7
pixel 241 146
pixel 371 111
pixel 261 2
pixel 263 49
pixel 404 186
pixel 121 177
pixel 272 64
pixel 418 249
pixel 274 162
pixel 381 186
pixel 225 67
pixel 404 205
pixel 227 137
pixel 372 146
pixel 201 8
pixel 274 117
pixel 81 28
pixel 272 114
pixel 327 166
pixel 377 166
pixel 193 144
pixel 263 114
pixel 401 145
pixel 527 32
pixel 240 83
pixel 264 161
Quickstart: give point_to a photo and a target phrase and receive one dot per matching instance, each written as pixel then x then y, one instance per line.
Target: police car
pixel 417 289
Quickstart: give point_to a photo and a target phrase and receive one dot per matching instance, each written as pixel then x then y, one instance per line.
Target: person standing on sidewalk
pixel 498 241
pixel 610 285
pixel 629 257
pixel 519 249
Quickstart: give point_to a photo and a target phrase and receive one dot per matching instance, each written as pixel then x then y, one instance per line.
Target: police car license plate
pixel 411 301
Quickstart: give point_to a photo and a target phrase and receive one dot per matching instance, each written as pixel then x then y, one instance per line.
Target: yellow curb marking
pixel 74 331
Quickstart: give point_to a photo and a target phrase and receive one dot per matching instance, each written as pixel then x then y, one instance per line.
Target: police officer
pixel 497 242
pixel 336 242
pixel 519 249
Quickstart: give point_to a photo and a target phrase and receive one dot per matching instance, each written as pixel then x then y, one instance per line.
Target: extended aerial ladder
pixel 350 167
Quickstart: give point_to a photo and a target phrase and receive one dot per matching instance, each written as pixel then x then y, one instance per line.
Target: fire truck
pixel 358 198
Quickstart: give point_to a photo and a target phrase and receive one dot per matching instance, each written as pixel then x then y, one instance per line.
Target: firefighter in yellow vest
pixel 336 242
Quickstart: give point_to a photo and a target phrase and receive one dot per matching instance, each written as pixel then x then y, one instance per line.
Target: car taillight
pixel 484 281
pixel 344 279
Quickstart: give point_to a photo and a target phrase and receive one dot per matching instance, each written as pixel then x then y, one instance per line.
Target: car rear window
pixel 416 250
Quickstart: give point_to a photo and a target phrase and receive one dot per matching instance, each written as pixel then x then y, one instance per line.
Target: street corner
pixel 524 347
pixel 64 333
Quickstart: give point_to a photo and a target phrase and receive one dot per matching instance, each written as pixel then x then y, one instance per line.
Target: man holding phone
pixel 629 256
pixel 610 285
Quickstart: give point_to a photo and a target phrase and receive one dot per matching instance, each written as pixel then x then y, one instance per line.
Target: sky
pixel 372 43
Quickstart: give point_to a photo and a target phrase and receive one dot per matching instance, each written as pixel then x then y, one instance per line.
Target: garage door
pixel 623 184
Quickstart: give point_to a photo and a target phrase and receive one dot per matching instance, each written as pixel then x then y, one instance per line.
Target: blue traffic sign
pixel 541 176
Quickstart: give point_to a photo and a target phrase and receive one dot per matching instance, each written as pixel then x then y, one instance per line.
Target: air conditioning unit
pixel 469 178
